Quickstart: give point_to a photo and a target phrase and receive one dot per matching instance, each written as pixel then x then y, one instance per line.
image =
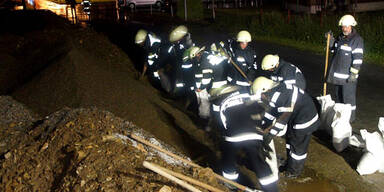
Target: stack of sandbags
pixel 373 158
pixel 335 119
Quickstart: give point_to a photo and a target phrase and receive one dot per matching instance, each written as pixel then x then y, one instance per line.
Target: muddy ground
pixel 48 65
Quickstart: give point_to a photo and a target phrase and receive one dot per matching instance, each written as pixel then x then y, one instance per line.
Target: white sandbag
pixel 367 164
pixel 273 161
pixel 341 128
pixel 357 141
pixel 327 113
pixel 373 159
pixel 381 125
pixel 204 105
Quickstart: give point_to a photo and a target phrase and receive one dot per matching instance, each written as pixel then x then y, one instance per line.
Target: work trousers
pixel 297 147
pixel 347 94
pixel 261 168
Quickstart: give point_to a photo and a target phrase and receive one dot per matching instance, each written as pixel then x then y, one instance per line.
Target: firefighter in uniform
pixel 153 45
pixel 180 40
pixel 244 57
pixel 241 115
pixel 283 71
pixel 347 59
pixel 214 67
pixel 292 112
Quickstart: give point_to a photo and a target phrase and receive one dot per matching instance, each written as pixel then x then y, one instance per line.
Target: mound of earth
pixel 81 150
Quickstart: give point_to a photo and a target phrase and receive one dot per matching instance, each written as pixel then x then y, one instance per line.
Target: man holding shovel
pixel 347 59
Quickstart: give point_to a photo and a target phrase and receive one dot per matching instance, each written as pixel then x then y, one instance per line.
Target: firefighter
pixel 283 71
pixel 347 59
pixel 292 113
pixel 241 116
pixel 153 45
pixel 189 71
pixel 180 40
pixel 86 6
pixel 244 57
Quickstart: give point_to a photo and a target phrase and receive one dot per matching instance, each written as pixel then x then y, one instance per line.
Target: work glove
pixel 331 38
pixel 265 148
pixel 352 78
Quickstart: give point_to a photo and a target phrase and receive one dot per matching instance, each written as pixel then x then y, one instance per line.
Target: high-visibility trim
pixel 276 78
pixel 199 75
pixel 231 176
pixel 198 84
pixel 155 74
pixel 205 81
pixel 297 157
pixel 357 61
pixel 229 79
pixel 341 75
pixel 357 50
pixel 273 132
pixel 307 124
pixel 214 59
pixel 242 83
pixel 181 46
pixel 186 66
pixel 288 86
pixel 215 107
pixel 284 109
pixel 268 179
pixel 192 88
pixel 150 62
pixel 170 49
pixel 272 104
pixel 207 71
pixel 240 59
pixel 179 84
pixel 279 125
pixel 353 107
pixel 301 91
pixel 275 97
pixel 287 146
pixel 353 70
pixel 244 137
pixel 218 84
pixel 298 70
pixel 269 116
pixel 153 39
pixel 294 97
pixel 345 48
pixel 292 81
pixel 151 56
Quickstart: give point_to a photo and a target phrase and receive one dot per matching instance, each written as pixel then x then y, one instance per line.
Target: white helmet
pixel 195 51
pixel 347 20
pixel 178 33
pixel 244 36
pixel 269 62
pixel 140 36
pixel 262 85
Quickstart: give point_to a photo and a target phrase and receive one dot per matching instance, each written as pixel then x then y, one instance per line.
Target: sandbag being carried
pixel 327 113
pixel 204 104
pixel 373 158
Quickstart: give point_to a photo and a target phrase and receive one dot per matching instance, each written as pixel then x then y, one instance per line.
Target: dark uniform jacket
pixel 290 74
pixel 246 60
pixel 153 47
pixel 348 52
pixel 241 116
pixel 300 111
pixel 214 68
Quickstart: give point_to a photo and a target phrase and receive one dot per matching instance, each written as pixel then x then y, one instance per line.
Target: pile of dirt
pixel 81 150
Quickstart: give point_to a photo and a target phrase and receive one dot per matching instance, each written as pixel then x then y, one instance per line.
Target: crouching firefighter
pixel 291 111
pixel 153 64
pixel 241 116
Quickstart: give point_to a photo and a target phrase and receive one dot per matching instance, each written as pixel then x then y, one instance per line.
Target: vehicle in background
pixel 136 3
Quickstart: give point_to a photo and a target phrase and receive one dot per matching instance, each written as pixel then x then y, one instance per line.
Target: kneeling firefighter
pixel 241 115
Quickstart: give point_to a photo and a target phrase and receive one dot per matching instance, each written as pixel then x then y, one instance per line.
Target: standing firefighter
pixel 152 45
pixel 245 58
pixel 180 40
pixel 293 111
pixel 241 116
pixel 347 59
pixel 283 71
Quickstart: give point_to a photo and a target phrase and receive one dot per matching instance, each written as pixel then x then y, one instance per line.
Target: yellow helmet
pixel 244 36
pixel 195 51
pixel 262 85
pixel 140 36
pixel 269 62
pixel 178 33
pixel 347 20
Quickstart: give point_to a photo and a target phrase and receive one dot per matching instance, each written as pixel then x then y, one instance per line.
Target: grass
pixel 304 31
